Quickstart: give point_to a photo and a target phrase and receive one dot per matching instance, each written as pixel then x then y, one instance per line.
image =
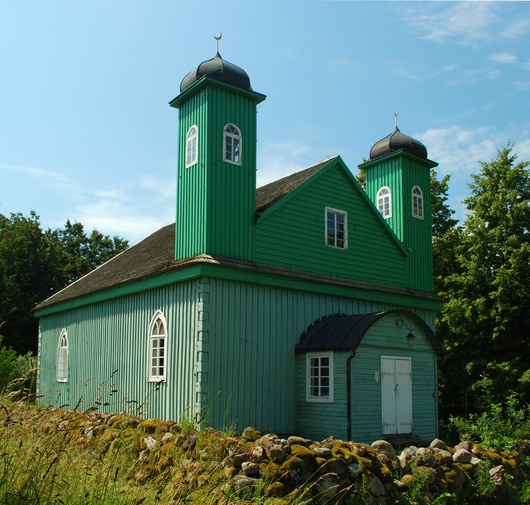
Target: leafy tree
pixel 35 263
pixel 28 273
pixel 485 320
pixel 442 220
pixel 82 253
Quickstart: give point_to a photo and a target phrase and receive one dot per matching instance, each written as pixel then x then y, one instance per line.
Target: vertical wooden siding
pixel 231 358
pixel 385 339
pixel 232 188
pixel 108 351
pixel 319 420
pixel 216 199
pixel 401 174
pixel 294 235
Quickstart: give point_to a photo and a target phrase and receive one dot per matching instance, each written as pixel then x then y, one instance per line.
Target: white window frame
pixel 232 139
pixel 61 363
pixel 417 202
pixel 315 389
pixel 157 349
pixel 192 146
pixel 332 233
pixel 384 202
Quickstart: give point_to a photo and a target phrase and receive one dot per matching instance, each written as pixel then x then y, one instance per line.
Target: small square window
pixel 319 377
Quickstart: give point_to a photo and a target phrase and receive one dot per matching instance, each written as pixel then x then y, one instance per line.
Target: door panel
pixel 396 395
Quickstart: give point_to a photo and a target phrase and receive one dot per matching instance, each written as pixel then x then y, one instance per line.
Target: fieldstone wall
pixel 335 471
pixel 264 468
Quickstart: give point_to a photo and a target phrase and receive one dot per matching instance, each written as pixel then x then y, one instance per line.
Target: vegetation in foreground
pixel 54 456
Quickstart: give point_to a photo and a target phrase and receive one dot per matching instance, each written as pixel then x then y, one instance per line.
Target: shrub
pixel 17 371
pixel 504 425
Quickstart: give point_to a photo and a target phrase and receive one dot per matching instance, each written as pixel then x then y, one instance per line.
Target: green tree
pixel 486 336
pixel 35 263
pixel 28 273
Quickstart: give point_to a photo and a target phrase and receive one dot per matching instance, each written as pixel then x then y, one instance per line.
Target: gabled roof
pixel 156 253
pixel 268 195
pixel 148 257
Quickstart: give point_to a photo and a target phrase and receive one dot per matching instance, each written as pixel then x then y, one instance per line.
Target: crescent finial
pixel 218 38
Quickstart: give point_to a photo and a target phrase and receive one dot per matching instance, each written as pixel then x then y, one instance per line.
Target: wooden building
pixel 304 306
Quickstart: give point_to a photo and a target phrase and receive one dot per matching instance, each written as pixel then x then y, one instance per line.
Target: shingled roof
pixel 156 253
pixel 268 195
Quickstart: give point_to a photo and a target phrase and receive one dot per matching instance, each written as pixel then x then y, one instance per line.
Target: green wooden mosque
pixel 303 307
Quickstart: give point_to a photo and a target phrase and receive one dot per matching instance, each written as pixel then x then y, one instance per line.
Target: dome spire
pixel 397 141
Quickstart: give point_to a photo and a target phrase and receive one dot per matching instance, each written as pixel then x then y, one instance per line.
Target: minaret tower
pixel 398 182
pixel 216 169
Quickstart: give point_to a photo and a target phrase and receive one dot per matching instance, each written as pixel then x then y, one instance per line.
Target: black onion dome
pixel 220 69
pixel 398 141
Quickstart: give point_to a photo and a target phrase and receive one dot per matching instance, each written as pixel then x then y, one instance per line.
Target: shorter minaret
pixel 398 176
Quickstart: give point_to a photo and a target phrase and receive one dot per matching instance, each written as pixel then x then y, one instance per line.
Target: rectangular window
pixel 158 367
pixel 336 228
pixel 319 377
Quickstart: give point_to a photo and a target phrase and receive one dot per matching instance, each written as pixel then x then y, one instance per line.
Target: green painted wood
pixel 216 199
pixel 294 235
pixel 217 271
pixel 384 338
pixel 401 172
pixel 108 354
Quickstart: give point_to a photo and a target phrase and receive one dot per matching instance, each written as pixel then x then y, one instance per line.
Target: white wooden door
pixel 396 392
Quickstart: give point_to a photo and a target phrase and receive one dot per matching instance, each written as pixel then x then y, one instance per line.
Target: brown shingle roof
pixel 148 257
pixel 156 253
pixel 268 195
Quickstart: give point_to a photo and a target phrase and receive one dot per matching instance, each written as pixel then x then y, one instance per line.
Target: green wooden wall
pixel 108 351
pixel 293 235
pixel 231 346
pixel 401 172
pixel 384 338
pixel 216 199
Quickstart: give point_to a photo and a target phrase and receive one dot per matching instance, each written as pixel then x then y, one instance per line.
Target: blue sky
pixel 86 132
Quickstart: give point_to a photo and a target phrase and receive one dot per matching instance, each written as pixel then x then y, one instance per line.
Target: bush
pixel 16 371
pixel 504 425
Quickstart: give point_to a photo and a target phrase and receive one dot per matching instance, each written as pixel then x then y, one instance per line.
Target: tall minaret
pixel 398 182
pixel 216 169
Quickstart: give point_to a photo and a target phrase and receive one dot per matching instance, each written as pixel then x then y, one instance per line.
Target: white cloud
pixel 49 178
pixel 503 58
pixel 458 149
pixel 521 85
pixel 133 210
pixel 516 29
pixel 285 158
pixel 468 22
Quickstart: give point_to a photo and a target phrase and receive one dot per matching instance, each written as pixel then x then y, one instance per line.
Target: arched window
pixel 232 144
pixel 61 365
pixel 157 366
pixel 384 202
pixel 417 202
pixel 191 146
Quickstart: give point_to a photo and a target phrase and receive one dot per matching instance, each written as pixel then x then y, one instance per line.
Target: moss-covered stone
pixel 274 490
pixel 251 434
pixel 301 451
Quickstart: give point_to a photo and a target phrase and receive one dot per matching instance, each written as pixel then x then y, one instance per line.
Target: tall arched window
pixel 417 202
pixel 232 144
pixel 61 365
pixel 157 353
pixel 191 146
pixel 384 202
